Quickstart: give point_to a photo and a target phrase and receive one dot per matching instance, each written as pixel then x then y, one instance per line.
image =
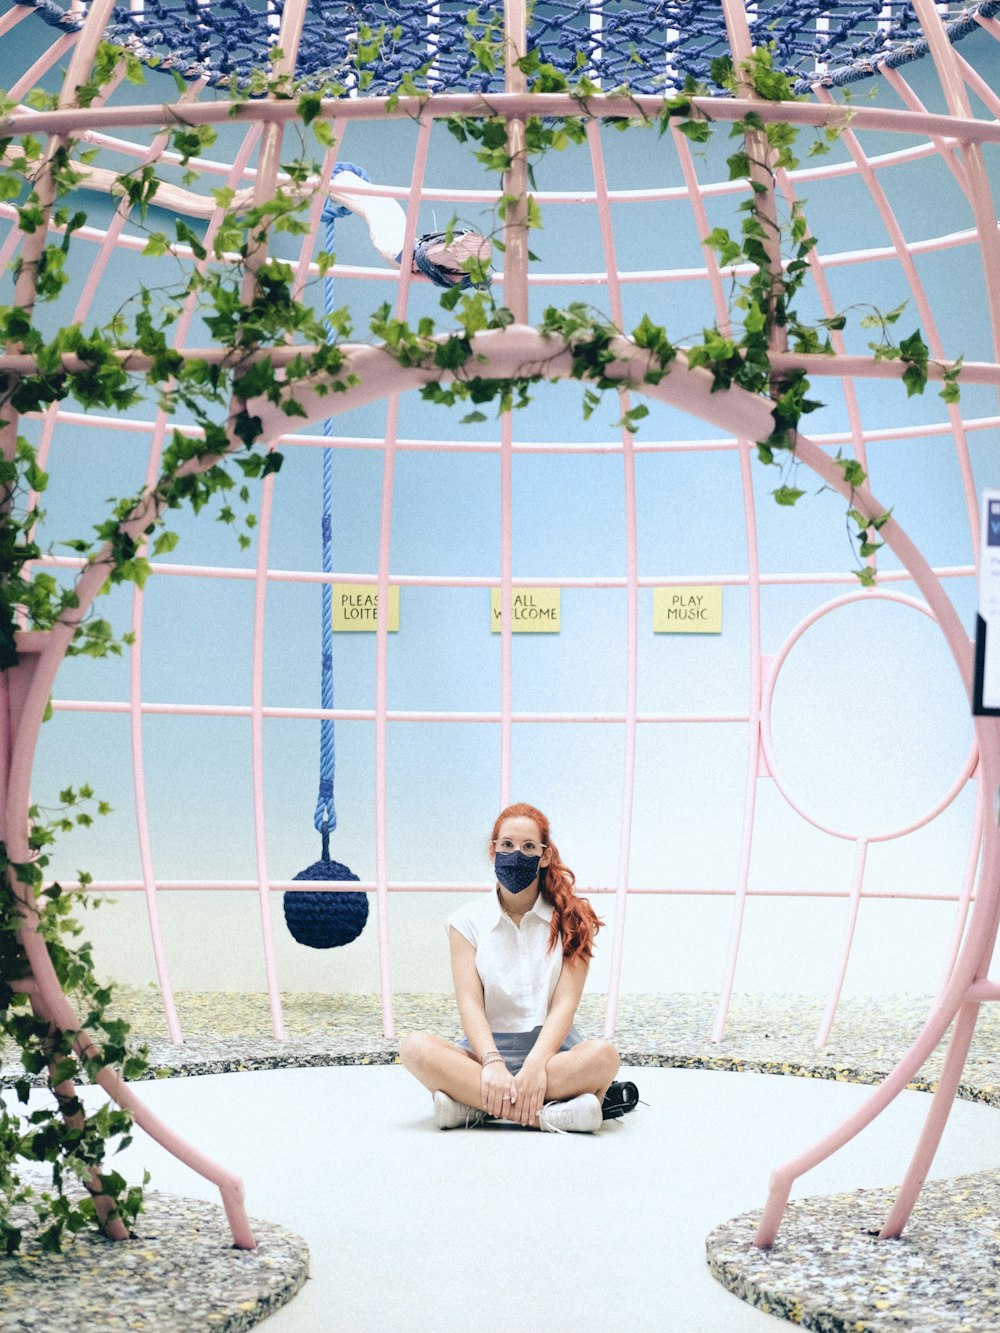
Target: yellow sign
pixel 536 610
pixel 355 607
pixel 687 610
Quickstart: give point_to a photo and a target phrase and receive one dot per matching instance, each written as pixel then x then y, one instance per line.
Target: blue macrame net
pixel 652 45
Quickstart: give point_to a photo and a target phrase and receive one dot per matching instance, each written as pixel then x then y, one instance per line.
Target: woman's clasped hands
pixel 499 1090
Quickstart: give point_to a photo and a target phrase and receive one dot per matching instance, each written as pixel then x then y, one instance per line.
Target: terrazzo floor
pixel 826 1272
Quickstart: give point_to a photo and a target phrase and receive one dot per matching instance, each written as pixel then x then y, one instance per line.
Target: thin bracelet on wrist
pixel 490 1058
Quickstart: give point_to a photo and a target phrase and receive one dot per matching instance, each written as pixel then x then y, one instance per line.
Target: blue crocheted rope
pixel 652 45
pixel 325 818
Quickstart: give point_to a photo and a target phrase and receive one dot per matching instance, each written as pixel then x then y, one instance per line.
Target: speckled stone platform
pixel 827 1271
pixel 180 1272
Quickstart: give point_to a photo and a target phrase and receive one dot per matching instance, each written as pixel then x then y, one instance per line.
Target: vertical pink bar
pixel 632 595
pixel 753 745
pixel 381 633
pixel 287 42
pixel 696 199
pixel 257 757
pixel 515 183
pixel 854 903
pixel 506 606
pixel 135 665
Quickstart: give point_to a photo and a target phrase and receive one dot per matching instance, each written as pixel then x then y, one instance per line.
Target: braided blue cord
pixel 652 45
pixel 325 818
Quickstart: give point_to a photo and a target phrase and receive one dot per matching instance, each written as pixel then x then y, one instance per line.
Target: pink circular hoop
pixel 767 696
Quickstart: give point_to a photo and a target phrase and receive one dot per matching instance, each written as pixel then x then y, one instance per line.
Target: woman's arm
pixel 498 1088
pixel 531 1081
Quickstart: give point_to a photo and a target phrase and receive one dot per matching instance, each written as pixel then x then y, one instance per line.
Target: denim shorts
pixel 515 1047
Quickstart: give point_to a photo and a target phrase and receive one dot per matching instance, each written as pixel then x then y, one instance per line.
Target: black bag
pixel 619 1099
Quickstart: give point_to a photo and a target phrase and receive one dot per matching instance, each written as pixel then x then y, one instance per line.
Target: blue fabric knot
pixel 332 210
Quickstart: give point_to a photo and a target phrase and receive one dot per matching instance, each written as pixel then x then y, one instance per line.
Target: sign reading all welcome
pixel 535 611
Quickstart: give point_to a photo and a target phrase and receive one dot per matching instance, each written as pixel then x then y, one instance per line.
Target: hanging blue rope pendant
pixel 326 920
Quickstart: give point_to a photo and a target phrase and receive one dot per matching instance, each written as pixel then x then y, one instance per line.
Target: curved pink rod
pixel 937 1117
pixel 857 887
pixel 505 353
pixel 13 16
pixel 753 748
pixel 716 189
pixel 768 742
pixel 58 1010
pixel 94 277
pixel 506 606
pixel 646 277
pixel 968 884
pixel 42 65
pixel 982 928
pixel 905 260
pixel 984 211
pixel 979 85
pixel 382 627
pixel 695 193
pixel 632 595
pixel 947 149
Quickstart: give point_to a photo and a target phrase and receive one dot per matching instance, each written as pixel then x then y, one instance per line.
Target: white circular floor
pixel 412 1230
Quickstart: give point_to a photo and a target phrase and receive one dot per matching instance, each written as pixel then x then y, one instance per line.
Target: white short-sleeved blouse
pixel 517 973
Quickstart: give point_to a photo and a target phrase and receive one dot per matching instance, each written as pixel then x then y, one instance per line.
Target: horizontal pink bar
pixel 441 105
pixel 476 886
pixel 492 581
pixel 137 425
pixel 368 714
pixel 590 278
pixel 826 171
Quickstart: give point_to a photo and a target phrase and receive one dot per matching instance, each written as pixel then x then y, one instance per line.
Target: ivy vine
pixel 211 465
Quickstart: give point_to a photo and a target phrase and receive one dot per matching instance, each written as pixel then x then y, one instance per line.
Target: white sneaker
pixel 579 1115
pixel 449 1114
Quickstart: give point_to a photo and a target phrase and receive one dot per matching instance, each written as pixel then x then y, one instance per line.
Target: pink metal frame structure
pixel 957 136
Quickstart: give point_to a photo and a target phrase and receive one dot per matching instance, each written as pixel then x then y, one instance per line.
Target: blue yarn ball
pixel 332 210
pixel 325 920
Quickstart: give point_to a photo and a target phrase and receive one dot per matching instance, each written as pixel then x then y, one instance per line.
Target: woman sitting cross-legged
pixel 519 957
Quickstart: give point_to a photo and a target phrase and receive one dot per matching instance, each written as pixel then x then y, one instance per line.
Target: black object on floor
pixel 619 1099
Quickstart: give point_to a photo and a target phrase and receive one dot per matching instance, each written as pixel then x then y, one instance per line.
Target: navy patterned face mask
pixel 514 870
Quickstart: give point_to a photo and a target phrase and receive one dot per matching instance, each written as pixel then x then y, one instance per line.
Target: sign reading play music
pixel 695 610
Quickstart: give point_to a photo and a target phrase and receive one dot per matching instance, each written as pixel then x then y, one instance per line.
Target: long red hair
pixel 574 921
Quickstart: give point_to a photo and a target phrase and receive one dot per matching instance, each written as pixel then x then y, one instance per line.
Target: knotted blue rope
pixel 324 920
pixel 652 45
pixel 325 818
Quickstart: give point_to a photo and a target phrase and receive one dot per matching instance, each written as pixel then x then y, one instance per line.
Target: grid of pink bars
pixel 958 137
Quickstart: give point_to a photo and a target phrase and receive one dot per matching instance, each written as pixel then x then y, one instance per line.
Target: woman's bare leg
pixel 589 1066
pixel 441 1066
